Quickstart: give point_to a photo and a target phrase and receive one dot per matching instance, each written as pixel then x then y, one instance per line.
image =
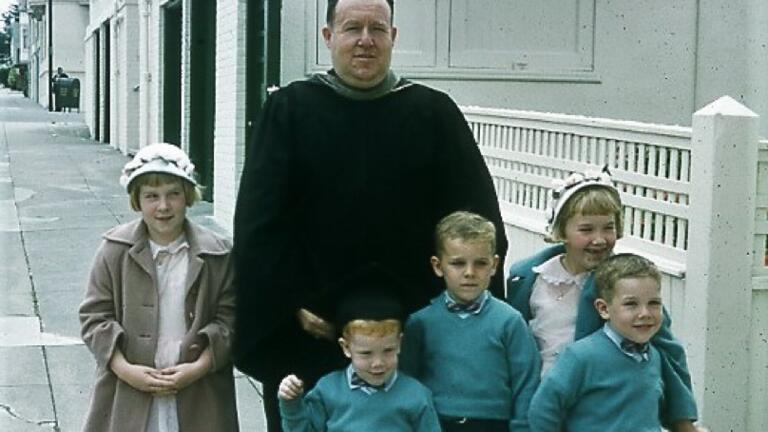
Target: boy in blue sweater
pixel 370 394
pixel 473 351
pixel 610 380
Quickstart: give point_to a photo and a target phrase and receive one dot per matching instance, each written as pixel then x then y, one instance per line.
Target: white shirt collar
pixel 370 390
pixel 171 248
pixel 616 338
pixel 555 273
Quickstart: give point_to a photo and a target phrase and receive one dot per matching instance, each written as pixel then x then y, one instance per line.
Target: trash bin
pixel 67 92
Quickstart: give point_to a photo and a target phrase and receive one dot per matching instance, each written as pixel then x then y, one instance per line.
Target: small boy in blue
pixel 472 350
pixel 370 394
pixel 554 289
pixel 610 381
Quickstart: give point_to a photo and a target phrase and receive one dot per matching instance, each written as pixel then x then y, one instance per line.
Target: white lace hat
pixel 563 189
pixel 158 158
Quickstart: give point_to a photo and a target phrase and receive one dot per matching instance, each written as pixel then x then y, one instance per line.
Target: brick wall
pixel 229 133
pixel 150 60
pixel 127 74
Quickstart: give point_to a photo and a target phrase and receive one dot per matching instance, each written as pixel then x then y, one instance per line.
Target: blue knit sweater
pixel 483 366
pixel 332 406
pixel 594 386
pixel 679 403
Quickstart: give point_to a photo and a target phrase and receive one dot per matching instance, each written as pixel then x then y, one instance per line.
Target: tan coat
pixel 120 311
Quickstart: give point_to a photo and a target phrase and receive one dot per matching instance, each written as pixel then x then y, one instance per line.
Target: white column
pixel 719 260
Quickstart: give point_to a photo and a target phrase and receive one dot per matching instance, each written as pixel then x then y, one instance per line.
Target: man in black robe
pixel 345 169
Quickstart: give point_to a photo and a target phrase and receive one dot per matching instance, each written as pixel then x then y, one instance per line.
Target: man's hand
pixel 291 387
pixel 315 325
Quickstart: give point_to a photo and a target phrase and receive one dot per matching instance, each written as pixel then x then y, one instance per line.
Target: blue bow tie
pixel 356 381
pixel 466 308
pixel 634 347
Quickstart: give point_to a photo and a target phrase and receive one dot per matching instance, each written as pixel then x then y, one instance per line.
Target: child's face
pixel 588 241
pixel 163 209
pixel 373 357
pixel 467 267
pixel 635 311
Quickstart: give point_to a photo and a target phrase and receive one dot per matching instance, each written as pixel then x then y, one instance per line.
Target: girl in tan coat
pixel 158 311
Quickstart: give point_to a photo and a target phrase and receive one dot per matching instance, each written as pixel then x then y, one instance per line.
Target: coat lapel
pixel 193 271
pixel 142 255
pixel 200 243
pixel 136 235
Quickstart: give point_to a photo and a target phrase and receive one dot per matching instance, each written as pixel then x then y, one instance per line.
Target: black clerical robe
pixel 331 184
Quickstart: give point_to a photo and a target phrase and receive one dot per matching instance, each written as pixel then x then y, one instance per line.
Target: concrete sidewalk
pixel 58 192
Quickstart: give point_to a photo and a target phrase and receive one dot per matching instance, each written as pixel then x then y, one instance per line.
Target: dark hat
pixel 370 293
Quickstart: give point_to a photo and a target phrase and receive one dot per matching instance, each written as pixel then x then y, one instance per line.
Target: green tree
pixel 9 17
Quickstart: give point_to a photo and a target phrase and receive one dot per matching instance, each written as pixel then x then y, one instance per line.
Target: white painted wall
pixel 229 134
pixel 87 93
pixel 149 27
pixel 127 77
pixel 70 18
pixel 653 61
pixel 34 55
pixel 124 79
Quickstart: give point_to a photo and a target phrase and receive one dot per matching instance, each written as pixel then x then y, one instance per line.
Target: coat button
pixel 191 316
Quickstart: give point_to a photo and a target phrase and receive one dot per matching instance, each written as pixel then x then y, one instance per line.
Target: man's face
pixel 374 358
pixel 360 41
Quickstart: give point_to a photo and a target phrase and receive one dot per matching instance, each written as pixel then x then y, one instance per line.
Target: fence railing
pixel 761 216
pixel 696 202
pixel 650 164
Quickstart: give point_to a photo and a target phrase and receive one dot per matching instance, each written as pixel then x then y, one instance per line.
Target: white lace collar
pixel 553 272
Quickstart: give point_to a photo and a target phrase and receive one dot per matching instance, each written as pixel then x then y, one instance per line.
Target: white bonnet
pixel 158 158
pixel 563 189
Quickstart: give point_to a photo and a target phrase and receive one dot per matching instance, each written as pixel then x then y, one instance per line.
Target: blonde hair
pixel 466 226
pixel 590 201
pixel 372 328
pixel 622 266
pixel 192 193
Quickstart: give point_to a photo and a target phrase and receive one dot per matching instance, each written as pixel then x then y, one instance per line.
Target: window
pixel 484 39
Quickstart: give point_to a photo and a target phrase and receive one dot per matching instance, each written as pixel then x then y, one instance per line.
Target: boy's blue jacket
pixel 679 403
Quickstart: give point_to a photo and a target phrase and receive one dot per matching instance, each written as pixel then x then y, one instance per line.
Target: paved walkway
pixel 58 192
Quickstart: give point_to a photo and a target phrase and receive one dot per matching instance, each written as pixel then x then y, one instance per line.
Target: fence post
pixel 719 260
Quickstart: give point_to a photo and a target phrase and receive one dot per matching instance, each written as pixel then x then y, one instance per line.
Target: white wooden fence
pixel 696 203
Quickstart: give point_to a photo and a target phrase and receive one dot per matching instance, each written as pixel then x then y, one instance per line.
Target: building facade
pixel 182 72
pixel 20 36
pixel 194 73
pixel 113 82
pixel 69 19
pixel 644 60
